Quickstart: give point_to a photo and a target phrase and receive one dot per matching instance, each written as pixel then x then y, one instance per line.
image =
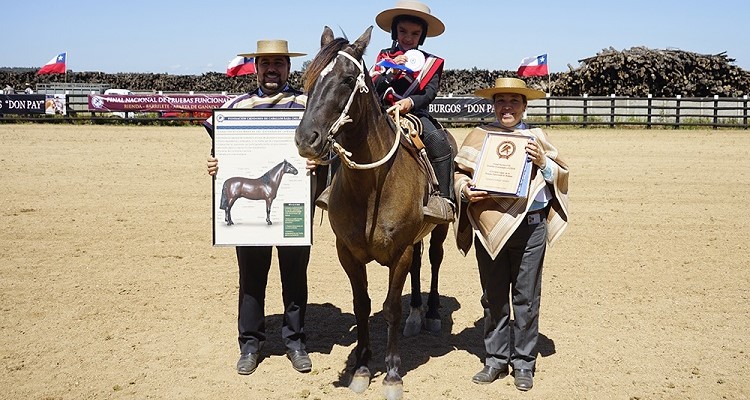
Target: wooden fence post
pixel 585 109
pixel 648 115
pixel 612 111
pixel 744 110
pixel 716 111
pixel 547 108
pixel 677 112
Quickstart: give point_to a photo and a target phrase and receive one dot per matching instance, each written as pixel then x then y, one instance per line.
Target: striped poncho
pixel 287 98
pixel 494 220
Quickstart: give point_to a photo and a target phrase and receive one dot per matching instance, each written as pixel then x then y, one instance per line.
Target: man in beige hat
pixel 511 234
pixel 413 89
pixel 273 64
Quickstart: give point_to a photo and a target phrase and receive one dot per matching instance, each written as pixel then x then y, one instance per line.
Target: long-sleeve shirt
pixel 420 86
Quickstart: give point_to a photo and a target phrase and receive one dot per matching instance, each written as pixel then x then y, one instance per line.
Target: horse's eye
pixel 349 81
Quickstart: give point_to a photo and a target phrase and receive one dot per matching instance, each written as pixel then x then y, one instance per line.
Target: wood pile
pixel 640 71
pixel 636 72
pixel 462 82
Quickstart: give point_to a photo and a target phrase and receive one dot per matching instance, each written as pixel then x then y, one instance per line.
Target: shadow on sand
pixel 327 326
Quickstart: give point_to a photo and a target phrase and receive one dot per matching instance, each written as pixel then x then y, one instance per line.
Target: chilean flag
pixel 241 66
pixel 54 66
pixel 533 66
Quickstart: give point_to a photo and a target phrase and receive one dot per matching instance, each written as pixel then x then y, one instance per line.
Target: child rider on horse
pixel 409 22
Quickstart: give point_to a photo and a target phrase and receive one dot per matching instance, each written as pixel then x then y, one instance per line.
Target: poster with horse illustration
pixel 261 192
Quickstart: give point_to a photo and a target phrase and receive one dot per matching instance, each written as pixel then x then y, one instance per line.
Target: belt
pixel 535 217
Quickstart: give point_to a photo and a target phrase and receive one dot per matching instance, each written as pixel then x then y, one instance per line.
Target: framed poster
pixel 261 192
pixel 503 167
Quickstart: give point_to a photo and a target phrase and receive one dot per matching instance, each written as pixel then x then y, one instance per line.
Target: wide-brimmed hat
pixel 510 85
pixel 274 47
pixel 435 27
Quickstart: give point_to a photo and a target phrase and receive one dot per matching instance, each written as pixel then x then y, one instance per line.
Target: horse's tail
pixel 224 201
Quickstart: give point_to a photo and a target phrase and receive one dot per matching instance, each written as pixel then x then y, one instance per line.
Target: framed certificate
pixel 503 167
pixel 261 193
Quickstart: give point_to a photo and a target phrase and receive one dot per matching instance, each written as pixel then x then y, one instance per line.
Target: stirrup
pixel 439 210
pixel 322 200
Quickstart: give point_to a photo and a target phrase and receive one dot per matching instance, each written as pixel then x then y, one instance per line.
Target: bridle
pixel 361 87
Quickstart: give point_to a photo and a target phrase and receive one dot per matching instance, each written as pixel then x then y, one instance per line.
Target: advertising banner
pixel 55 104
pixel 22 103
pixel 156 102
pixel 443 108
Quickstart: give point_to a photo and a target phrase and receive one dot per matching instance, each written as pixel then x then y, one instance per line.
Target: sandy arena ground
pixel 110 288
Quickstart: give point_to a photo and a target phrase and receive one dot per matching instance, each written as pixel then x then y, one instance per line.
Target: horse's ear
pixel 326 37
pixel 361 43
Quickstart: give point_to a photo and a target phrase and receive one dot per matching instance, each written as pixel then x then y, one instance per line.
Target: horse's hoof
pixel 413 324
pixel 412 329
pixel 270 223
pixel 393 389
pixel 433 326
pixel 360 380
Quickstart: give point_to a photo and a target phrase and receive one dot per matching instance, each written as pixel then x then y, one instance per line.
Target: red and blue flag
pixel 54 66
pixel 241 66
pixel 533 66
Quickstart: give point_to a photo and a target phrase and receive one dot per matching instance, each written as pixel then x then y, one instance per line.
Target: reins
pixel 360 86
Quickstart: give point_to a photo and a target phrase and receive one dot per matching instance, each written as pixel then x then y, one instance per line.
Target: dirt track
pixel 110 288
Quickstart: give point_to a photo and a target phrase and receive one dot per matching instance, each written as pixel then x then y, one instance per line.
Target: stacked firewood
pixel 636 72
pixel 639 71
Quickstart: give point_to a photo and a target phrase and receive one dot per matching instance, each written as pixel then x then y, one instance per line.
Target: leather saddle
pixel 411 131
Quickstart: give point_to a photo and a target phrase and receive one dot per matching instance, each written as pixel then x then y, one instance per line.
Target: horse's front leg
pixel 228 213
pixel 357 273
pixel 268 211
pixel 437 238
pixel 413 324
pixel 393 384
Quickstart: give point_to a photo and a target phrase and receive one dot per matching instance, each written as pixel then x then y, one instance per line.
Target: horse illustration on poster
pixel 263 188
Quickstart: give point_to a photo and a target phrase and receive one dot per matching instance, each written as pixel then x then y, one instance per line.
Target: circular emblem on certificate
pixel 506 149
pixel 414 60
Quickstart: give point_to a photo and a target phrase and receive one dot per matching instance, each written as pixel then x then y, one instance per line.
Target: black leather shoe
pixel 300 360
pixel 489 374
pixel 524 379
pixel 247 363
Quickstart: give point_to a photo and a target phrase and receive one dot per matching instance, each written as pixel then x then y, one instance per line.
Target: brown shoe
pixel 322 200
pixel 438 210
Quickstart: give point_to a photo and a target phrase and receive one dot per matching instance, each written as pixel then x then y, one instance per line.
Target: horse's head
pixel 289 168
pixel 332 80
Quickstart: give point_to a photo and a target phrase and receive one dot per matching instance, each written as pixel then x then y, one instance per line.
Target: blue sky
pixel 193 37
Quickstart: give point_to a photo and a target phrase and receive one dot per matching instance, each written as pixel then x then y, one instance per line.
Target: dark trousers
pixel 254 264
pixel 518 267
pixel 439 152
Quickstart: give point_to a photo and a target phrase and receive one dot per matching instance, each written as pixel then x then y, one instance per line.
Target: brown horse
pixel 376 197
pixel 263 188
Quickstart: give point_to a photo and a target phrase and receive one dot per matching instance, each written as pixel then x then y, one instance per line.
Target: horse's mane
pixel 321 60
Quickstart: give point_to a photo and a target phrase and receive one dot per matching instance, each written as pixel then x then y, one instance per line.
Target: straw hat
pixel 272 48
pixel 510 85
pixel 435 27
